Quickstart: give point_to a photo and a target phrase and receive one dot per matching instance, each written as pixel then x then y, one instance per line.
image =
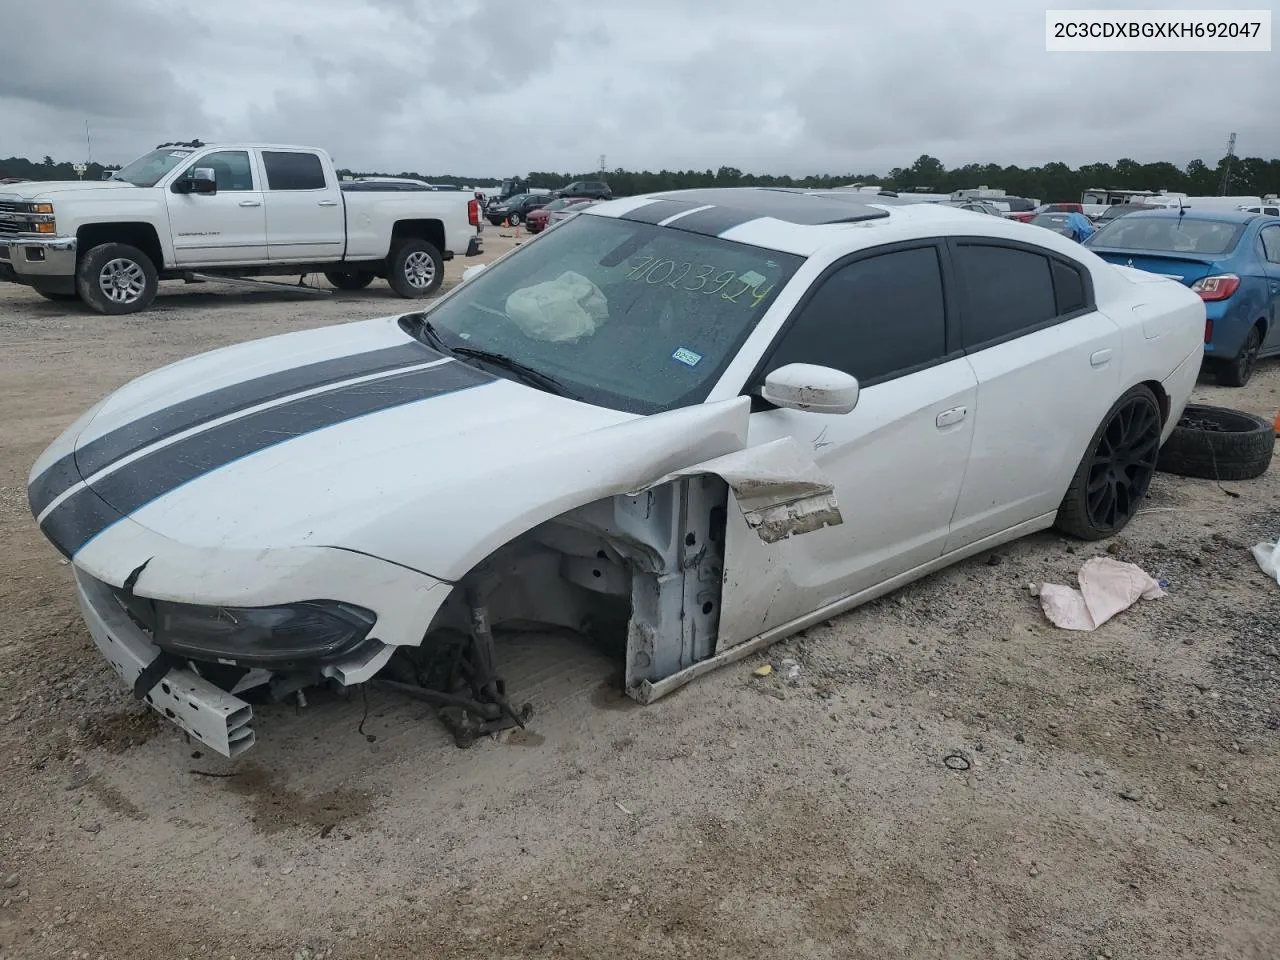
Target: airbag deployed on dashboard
pixel 567 308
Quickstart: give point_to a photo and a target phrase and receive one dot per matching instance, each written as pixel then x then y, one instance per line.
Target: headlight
pixel 312 631
pixel 41 208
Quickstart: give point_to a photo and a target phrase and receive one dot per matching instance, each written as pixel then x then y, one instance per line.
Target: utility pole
pixel 602 168
pixel 1226 166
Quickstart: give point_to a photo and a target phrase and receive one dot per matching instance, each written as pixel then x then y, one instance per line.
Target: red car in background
pixel 536 221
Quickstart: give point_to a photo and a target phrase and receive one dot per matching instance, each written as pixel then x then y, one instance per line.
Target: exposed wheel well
pixel 140 235
pixel 431 231
pixel 1162 398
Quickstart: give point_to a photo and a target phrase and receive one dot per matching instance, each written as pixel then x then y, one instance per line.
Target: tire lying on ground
pixel 1216 443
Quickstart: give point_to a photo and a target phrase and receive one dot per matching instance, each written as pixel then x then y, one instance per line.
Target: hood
pixel 294 440
pixel 39 189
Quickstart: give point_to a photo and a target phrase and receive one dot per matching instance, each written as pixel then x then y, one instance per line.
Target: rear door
pixel 1270 239
pixel 1047 364
pixel 226 227
pixel 896 461
pixel 305 216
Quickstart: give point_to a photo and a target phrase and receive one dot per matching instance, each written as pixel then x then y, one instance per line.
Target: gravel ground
pixel 1121 800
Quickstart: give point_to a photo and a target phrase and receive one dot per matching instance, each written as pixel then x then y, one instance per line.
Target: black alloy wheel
pixel 1238 372
pixel 1112 479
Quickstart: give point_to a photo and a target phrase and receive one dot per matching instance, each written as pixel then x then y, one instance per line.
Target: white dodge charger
pixel 687 424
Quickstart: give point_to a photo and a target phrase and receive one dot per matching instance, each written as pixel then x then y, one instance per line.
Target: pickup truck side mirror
pixel 811 388
pixel 199 180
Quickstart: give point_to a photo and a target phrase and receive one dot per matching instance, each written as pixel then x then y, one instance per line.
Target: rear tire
pixel 1115 472
pixel 415 269
pixel 1237 372
pixel 116 279
pixel 349 279
pixel 1215 443
pixel 514 219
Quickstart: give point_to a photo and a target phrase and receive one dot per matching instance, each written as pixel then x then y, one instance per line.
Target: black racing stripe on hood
pixel 78 518
pixel 105 450
pixel 657 211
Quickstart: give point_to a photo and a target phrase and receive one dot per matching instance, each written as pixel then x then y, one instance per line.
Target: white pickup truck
pixel 193 211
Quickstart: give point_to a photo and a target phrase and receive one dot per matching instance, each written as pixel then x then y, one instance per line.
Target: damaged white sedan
pixel 687 424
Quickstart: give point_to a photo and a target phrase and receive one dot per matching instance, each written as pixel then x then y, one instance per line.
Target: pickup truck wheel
pixel 115 279
pixel 416 269
pixel 349 279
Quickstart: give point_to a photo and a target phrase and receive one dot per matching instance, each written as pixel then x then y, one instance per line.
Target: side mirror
pixel 199 180
pixel 812 388
pixel 470 272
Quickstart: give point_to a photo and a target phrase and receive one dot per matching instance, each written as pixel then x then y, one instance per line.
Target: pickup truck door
pixel 229 226
pixel 305 213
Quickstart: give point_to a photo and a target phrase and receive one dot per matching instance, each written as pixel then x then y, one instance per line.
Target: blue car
pixel 1232 259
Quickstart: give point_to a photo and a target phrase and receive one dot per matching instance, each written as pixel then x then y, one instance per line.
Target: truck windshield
pixel 626 315
pixel 148 170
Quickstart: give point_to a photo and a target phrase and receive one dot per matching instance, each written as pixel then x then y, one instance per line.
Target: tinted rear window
pixel 293 171
pixel 1169 235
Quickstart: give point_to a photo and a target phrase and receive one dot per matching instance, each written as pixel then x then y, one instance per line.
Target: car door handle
pixel 1100 358
pixel 328 203
pixel 250 203
pixel 948 417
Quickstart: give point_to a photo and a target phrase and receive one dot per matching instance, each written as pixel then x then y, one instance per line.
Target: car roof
pixel 711 212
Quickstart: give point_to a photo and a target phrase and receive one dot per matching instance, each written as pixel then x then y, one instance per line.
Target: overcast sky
pixel 499 87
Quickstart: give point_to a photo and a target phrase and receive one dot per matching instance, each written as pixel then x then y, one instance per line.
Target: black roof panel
pixel 730 207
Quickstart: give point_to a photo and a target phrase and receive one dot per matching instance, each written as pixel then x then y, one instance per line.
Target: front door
pixel 896 461
pixel 305 212
pixel 225 227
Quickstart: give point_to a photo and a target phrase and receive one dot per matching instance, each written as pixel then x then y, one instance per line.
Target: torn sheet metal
pixel 778 486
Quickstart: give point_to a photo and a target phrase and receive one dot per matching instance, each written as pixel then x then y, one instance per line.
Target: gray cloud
pixel 495 87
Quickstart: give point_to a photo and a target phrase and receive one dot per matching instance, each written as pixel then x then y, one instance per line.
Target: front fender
pixel 462 520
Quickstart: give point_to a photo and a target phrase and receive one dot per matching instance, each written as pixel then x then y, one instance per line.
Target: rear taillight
pixel 1217 287
pixel 473 212
pixel 1208 331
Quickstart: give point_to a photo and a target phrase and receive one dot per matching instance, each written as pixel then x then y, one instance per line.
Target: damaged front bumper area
pixel 179 629
pixel 216 718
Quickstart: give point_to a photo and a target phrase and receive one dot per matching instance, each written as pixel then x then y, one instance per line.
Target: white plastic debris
pixel 566 308
pixel 1106 588
pixel 791 671
pixel 1268 557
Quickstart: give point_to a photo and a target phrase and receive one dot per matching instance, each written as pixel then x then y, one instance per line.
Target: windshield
pixel 626 315
pixel 556 205
pixel 1169 235
pixel 147 171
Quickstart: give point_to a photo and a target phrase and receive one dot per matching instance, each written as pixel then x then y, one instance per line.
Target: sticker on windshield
pixel 687 357
pixel 179 154
pixel 751 279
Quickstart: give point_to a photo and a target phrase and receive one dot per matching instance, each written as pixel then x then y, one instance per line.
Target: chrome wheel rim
pixel 122 281
pixel 419 270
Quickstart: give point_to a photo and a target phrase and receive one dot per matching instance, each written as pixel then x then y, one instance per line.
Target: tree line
pixel 1252 176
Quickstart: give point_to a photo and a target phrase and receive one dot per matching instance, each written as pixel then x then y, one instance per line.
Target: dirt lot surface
pixel 1122 801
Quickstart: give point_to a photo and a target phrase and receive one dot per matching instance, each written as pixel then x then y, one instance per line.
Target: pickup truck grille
pixel 11 214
